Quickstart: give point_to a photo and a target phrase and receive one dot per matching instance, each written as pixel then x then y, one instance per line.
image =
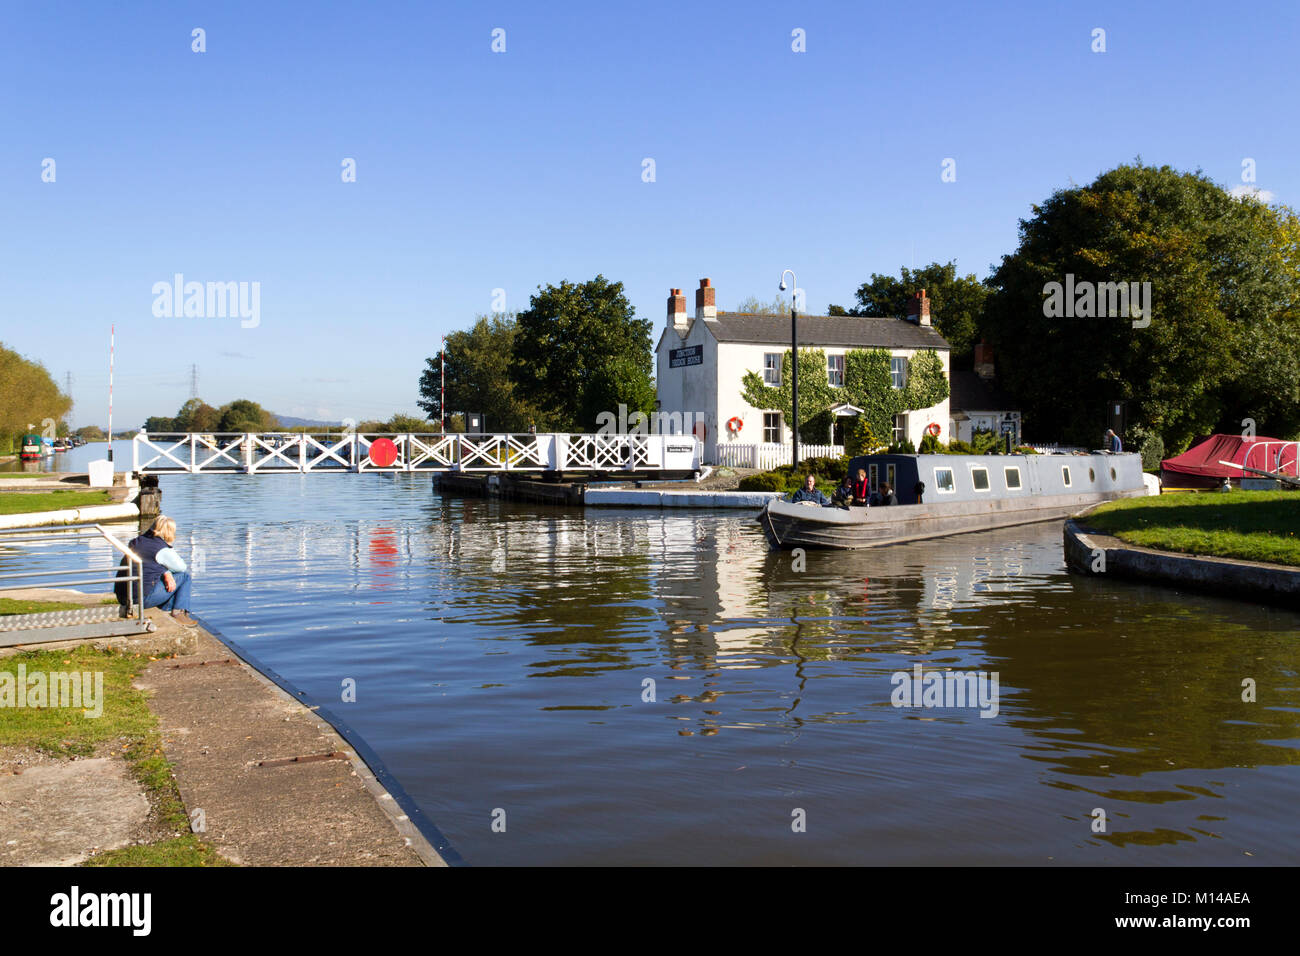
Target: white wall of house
pixel 714 388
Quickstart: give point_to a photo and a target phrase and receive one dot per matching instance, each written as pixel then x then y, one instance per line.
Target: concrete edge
pixel 41 519
pixel 428 842
pixel 1243 580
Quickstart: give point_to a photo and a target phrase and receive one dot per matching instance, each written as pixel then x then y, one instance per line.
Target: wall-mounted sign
pixel 692 355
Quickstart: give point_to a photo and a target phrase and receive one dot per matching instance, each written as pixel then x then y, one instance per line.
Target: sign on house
pixel 693 355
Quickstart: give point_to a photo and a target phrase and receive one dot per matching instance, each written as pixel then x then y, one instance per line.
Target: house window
pixel 897 371
pixel 1013 478
pixel 900 428
pixel 979 478
pixel 943 481
pixel 1065 475
pixel 835 370
pixel 771 368
pixel 772 427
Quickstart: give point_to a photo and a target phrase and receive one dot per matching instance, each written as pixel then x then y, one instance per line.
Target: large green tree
pixel 1223 340
pixel 867 385
pixel 244 415
pixel 478 376
pixel 956 302
pixel 28 397
pixel 580 350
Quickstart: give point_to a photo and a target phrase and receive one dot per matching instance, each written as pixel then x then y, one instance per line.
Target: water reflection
pixel 658 687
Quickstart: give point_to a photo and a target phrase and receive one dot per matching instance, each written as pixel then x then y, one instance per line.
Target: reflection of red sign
pixel 383 452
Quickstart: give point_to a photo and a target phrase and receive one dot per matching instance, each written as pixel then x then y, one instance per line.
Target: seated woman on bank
pixel 167 581
pixel 809 492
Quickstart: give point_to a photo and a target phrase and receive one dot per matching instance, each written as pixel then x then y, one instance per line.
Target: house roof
pixel 845 331
pixel 970 393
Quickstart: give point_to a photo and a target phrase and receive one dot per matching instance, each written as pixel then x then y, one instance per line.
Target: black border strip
pixel 382 774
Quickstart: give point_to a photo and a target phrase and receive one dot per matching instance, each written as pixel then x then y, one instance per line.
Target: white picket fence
pixel 769 455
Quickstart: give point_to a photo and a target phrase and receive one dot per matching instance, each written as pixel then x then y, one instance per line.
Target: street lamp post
pixel 794 368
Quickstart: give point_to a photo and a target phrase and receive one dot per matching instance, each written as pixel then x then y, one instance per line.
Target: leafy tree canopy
pixel 478 376
pixel 1223 341
pixel 28 396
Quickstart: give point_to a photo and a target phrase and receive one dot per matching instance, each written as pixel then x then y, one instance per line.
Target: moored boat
pixel 31 448
pixel 952 494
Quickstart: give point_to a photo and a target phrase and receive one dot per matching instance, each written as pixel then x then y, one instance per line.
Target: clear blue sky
pixel 479 170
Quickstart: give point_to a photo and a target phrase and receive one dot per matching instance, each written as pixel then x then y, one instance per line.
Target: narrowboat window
pixel 1012 476
pixel 980 478
pixel 1065 475
pixel 873 475
pixel 1092 476
pixel 943 481
pixel 889 477
pixel 1112 474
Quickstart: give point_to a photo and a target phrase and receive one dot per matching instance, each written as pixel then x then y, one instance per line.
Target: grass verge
pixel 24 502
pixel 1247 525
pixel 127 729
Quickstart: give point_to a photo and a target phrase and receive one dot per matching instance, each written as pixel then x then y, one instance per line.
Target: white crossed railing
pixel 285 452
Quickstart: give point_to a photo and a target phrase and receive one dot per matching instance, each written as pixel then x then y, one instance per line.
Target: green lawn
pixel 15 606
pixel 25 502
pixel 1249 525
pixel 129 727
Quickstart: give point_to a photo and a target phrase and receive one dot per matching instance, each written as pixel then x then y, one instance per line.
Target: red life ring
pixel 932 429
pixel 734 425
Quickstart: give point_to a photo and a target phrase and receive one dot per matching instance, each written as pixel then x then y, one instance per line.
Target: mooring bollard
pixel 150 497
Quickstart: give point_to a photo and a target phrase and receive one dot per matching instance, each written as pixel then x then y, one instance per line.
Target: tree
pixel 956 302
pixel 196 415
pixel 752 305
pixel 90 433
pixel 867 385
pixel 1222 343
pixel 478 376
pixel 243 415
pixel 29 398
pixel 579 350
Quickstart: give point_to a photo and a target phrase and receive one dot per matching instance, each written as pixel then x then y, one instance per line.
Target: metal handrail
pixel 75 534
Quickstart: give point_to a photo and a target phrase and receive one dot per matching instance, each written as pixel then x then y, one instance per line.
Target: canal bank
pixel 52 499
pixel 267 777
pixel 1097 554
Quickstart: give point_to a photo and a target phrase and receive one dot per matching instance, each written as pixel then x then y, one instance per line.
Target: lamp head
pixel 782 285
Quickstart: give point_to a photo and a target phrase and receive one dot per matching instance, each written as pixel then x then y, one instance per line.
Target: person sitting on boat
pixel 887 496
pixel 809 492
pixel 1113 444
pixel 860 490
pixel 166 578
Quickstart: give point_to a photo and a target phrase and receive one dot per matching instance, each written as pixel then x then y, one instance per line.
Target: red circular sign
pixel 383 452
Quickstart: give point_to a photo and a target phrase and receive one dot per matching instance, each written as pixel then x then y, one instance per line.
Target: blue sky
pixel 479 171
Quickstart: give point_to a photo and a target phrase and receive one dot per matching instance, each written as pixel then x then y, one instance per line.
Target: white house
pixel 977 404
pixel 702 361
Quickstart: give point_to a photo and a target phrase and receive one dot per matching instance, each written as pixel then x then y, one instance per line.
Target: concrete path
pixel 231 735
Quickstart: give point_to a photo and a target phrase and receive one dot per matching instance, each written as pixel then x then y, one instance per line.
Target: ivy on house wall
pixel 867 385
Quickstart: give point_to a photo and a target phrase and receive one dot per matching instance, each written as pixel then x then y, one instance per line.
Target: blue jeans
pixel 178 600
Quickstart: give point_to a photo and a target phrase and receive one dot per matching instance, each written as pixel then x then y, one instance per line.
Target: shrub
pixel 930 445
pixel 959 447
pixel 904 447
pixel 1025 450
pixel 861 440
pixel 765 481
pixel 986 443
pixel 1150 446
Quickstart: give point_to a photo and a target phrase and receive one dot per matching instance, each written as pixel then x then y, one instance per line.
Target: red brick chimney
pixel 706 301
pixel 918 309
pixel 984 361
pixel 677 309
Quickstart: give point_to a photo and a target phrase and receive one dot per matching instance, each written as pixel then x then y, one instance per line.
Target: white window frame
pixel 898 376
pixel 873 476
pixel 772 368
pixel 988 485
pixel 1006 472
pixel 1065 473
pixel 899 431
pixel 952 480
pixel 779 429
pixel 891 473
pixel 834 370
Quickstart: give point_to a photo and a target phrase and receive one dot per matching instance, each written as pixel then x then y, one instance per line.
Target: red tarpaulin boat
pixel 1200 466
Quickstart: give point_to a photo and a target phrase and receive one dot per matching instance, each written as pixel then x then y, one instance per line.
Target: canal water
pixel 647 687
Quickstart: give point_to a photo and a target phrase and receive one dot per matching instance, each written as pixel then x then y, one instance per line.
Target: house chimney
pixel 918 309
pixel 677 309
pixel 706 302
pixel 984 361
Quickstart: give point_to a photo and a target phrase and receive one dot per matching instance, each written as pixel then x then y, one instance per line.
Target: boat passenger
pixel 843 494
pixel 861 490
pixel 809 492
pixel 1113 444
pixel 166 578
pixel 887 496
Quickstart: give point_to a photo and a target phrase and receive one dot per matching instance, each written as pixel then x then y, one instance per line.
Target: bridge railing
pixel 301 452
